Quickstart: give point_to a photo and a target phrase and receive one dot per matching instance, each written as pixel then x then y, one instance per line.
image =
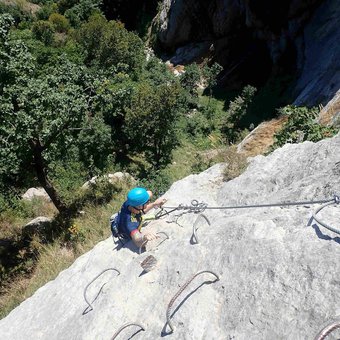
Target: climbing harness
pixel 125 326
pixel 194 227
pixel 89 304
pixel 327 330
pixel 168 314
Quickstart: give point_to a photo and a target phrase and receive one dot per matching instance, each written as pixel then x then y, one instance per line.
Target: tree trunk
pixel 40 168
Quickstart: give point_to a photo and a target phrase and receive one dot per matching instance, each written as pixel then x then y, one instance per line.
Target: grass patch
pixel 236 163
pixel 13 219
pixel 52 260
pixel 91 227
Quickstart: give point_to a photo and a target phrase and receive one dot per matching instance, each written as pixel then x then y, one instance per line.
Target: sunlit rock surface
pixel 278 269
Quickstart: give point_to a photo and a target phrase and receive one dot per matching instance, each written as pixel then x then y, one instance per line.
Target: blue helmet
pixel 137 196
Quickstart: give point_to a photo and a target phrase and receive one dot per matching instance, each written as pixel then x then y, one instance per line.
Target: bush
pixel 17 12
pixel 158 182
pixel 197 125
pixel 201 163
pixel 236 111
pixel 81 11
pixel 191 78
pixel 59 22
pixel 68 176
pixel 301 126
pixel 43 31
pixel 46 10
pixel 108 44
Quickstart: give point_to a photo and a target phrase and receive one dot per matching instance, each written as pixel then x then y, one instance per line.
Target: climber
pixel 129 219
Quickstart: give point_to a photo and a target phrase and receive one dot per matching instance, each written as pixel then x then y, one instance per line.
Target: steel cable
pixel 199 207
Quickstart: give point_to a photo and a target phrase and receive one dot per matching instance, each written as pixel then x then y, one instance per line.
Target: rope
pixel 89 305
pixel 179 293
pixel 336 201
pixel 125 326
pixel 194 235
pixel 327 330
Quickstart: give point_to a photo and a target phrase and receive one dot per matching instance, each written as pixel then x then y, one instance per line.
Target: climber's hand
pixel 149 236
pixel 160 201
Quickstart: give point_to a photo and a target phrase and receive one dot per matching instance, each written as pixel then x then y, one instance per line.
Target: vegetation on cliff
pixel 80 97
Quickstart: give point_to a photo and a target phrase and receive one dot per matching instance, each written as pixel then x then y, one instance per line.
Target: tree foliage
pixel 94 142
pixel 44 31
pixel 151 121
pixel 210 74
pixel 37 112
pixel 236 111
pixel 59 22
pixel 43 109
pixel 109 46
pixel 80 10
pixel 191 78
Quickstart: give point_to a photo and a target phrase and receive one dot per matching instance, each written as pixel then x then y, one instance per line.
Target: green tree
pixel 43 111
pixel 191 78
pixel 236 111
pixel 36 113
pixel 64 5
pixel 239 106
pixel 15 60
pixel 59 22
pixel 109 46
pixel 81 11
pixel 157 72
pixel 46 10
pixel 151 121
pixel 190 81
pixel 44 31
pixel 210 74
pixel 90 34
pixel 94 142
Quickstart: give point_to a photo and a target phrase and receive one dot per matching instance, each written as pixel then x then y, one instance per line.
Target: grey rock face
pixel 252 39
pixel 279 271
pixel 320 66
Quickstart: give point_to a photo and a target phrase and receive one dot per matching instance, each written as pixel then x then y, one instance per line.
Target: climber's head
pixel 137 197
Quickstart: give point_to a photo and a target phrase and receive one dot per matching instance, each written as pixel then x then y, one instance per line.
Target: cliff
pixel 277 268
pixel 256 41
